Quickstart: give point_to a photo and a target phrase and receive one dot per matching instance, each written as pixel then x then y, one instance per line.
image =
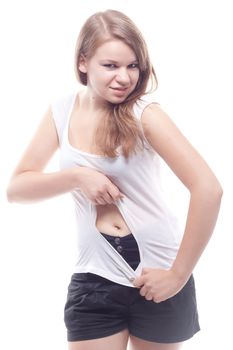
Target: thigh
pixel 138 344
pixel 114 342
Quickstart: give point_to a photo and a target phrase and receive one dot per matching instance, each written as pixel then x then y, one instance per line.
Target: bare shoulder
pixel 46 133
pixel 152 109
pixel 154 115
pixel 43 144
pixel 160 129
pixel 172 145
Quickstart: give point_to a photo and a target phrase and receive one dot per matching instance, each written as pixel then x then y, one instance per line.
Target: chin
pixel 117 100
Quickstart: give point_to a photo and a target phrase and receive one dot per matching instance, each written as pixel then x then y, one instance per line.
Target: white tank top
pixel 143 207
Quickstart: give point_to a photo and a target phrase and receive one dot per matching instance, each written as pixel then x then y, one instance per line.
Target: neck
pixel 92 103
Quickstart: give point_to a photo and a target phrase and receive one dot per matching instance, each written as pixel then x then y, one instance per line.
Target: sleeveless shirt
pixel 144 209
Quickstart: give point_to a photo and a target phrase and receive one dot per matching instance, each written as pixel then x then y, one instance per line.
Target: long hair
pixel 118 127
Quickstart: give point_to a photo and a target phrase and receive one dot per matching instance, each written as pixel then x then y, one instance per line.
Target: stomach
pixel 110 221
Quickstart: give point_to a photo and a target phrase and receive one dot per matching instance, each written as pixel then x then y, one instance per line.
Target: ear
pixel 82 66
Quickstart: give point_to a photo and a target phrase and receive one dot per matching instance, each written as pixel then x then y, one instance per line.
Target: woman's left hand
pixel 158 285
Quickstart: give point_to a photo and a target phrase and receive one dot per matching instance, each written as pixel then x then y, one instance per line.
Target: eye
pixel 134 65
pixel 109 65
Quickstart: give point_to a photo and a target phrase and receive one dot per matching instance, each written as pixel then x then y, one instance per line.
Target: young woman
pixel 132 281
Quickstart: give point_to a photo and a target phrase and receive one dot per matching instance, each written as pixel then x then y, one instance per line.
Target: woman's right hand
pixel 97 187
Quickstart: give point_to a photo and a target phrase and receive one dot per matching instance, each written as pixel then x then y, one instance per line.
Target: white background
pixel 191 47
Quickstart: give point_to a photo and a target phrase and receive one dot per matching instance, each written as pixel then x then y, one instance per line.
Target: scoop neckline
pixel 75 149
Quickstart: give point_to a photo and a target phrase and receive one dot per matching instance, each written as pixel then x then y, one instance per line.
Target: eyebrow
pixel 113 61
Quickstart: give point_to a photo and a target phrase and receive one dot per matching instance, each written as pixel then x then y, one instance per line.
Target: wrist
pixel 181 274
pixel 76 176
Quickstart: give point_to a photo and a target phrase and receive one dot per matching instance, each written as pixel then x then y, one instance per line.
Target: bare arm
pixel 29 183
pixel 205 193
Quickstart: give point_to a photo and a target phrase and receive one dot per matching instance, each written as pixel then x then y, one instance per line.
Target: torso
pixel 110 221
pixel 81 135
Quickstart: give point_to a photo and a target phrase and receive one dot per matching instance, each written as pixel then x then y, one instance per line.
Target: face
pixel 112 72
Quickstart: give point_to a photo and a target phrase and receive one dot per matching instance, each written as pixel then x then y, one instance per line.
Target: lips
pixel 119 89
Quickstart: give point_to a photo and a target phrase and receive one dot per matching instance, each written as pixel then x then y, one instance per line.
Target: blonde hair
pixel 119 127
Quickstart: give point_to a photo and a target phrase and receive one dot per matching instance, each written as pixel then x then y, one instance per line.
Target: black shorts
pixel 96 308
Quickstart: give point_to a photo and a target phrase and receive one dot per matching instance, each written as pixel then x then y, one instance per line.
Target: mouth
pixel 119 88
pixel 119 92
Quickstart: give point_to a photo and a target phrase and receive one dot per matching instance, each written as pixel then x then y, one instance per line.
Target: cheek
pixel 96 79
pixel 104 77
pixel 135 77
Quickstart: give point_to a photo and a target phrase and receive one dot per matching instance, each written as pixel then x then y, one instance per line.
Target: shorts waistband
pixel 89 277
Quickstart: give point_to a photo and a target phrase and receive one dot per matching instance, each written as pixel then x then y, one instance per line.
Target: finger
pixel 108 199
pixel 148 296
pixel 100 200
pixel 157 300
pixel 145 270
pixel 138 282
pixel 143 291
pixel 115 193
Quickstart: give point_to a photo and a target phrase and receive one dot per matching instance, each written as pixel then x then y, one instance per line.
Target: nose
pixel 123 76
